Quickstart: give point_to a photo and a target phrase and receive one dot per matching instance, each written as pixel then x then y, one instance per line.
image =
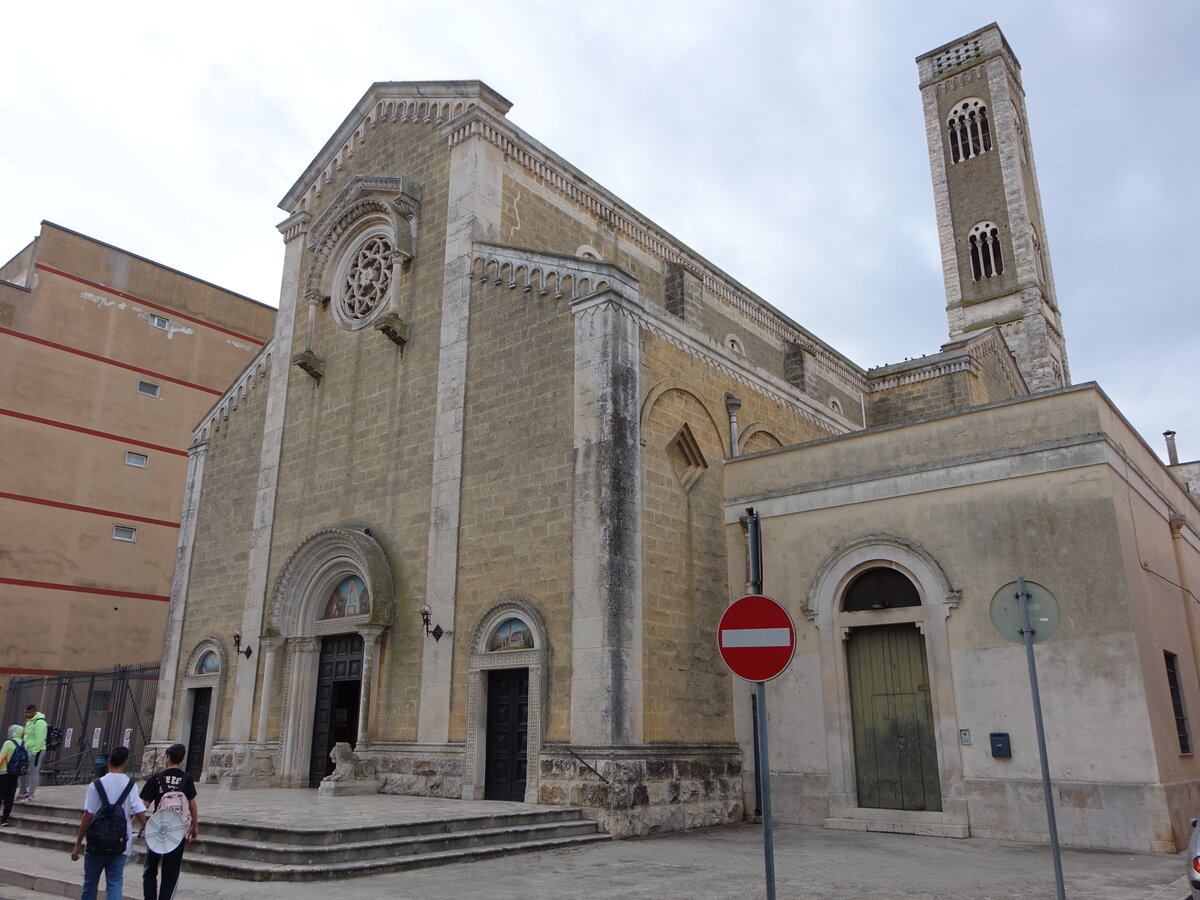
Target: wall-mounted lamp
pixel 237 645
pixel 437 631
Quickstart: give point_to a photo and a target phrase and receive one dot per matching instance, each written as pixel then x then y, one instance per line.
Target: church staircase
pixel 228 849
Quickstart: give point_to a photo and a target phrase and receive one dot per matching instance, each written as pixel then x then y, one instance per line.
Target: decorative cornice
pixel 294 225
pixel 559 175
pixel 428 103
pixel 964 356
pixel 212 423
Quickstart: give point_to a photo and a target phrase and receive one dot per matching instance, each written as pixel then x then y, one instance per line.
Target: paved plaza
pixel 716 863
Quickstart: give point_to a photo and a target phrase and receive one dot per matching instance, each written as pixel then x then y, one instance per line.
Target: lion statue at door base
pixel 348 767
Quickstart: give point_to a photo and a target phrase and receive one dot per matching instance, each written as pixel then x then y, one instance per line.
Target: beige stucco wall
pixel 78 343
pixel 1039 488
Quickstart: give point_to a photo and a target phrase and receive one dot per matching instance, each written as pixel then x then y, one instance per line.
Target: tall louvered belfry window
pixel 969 130
pixel 986 258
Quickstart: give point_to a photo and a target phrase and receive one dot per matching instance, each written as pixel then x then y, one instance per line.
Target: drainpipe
pixel 732 405
pixel 1172 453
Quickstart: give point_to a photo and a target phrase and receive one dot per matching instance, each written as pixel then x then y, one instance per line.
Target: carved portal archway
pixel 326 565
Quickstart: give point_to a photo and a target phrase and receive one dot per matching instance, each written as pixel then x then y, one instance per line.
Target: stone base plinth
pixel 347 788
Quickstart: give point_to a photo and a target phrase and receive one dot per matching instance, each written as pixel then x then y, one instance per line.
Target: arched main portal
pixel 332 604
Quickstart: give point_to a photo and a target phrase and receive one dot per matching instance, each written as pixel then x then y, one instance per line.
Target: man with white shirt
pixel 117 787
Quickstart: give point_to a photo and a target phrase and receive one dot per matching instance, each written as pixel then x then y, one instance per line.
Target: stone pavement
pixel 716 863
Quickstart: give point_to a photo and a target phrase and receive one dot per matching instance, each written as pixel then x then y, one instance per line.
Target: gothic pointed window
pixel 987 261
pixel 969 130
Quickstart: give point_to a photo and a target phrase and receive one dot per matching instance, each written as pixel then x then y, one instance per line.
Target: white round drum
pixel 164 831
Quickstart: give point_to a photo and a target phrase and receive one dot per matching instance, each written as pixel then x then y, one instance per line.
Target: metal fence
pixel 96 712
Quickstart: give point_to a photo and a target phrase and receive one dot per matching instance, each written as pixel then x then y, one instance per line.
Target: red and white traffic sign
pixel 756 638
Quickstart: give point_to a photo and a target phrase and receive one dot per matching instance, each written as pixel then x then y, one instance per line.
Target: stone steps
pixel 259 853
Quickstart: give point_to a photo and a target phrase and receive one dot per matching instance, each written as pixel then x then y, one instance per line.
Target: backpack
pixel 178 801
pixel 18 763
pixel 54 737
pixel 108 834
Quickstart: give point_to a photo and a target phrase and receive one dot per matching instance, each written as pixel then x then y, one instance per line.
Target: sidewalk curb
pixel 55 887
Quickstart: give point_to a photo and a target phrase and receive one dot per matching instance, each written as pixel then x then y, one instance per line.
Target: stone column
pixel 606 606
pixel 370 638
pixel 168 671
pixel 268 472
pixel 267 646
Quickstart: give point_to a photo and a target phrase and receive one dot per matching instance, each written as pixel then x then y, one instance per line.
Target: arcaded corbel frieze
pixel 211 424
pixel 696 344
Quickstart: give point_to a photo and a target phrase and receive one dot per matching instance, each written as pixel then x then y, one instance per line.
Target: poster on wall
pixel 96 738
pixel 68 737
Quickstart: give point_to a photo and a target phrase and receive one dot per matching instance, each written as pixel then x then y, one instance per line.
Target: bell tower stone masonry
pixel 995 259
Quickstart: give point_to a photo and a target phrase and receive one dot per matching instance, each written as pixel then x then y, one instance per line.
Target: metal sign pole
pixel 764 781
pixel 1027 631
pixel 763 775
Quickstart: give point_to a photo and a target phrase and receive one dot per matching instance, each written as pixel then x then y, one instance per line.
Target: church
pixel 473 510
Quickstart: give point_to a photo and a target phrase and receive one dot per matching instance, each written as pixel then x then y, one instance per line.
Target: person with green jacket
pixel 35 745
pixel 8 783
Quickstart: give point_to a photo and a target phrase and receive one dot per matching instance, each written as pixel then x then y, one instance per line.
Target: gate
pixel 96 712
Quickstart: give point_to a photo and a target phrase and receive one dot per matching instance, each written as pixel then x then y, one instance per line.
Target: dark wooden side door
pixel 895 753
pixel 198 731
pixel 507 734
pixel 339 685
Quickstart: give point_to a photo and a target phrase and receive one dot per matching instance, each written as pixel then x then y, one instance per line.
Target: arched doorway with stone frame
pixel 508 654
pixel 837 622
pixel 200 713
pixel 337 589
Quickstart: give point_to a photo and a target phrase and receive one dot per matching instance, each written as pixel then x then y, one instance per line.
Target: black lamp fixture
pixel 436 632
pixel 237 645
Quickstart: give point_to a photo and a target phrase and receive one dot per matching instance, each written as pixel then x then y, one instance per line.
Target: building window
pixel 124 533
pixel 157 321
pixel 137 460
pixel 149 388
pixel 969 130
pixel 1181 726
pixel 986 258
pixel 880 588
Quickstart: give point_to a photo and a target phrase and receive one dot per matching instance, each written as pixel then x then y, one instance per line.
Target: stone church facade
pixel 464 512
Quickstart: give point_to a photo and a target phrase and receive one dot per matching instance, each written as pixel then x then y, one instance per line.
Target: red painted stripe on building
pixel 91 431
pixel 4 495
pixel 133 299
pixel 13 670
pixel 109 361
pixel 79 589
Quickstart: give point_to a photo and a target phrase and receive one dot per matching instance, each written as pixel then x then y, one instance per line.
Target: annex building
pixel 473 509
pixel 107 359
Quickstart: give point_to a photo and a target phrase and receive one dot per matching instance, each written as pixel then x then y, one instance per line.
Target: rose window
pixel 367 279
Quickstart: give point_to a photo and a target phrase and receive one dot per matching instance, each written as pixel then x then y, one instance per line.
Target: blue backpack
pixel 18 763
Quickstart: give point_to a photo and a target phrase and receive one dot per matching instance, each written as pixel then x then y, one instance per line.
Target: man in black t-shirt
pixel 169 779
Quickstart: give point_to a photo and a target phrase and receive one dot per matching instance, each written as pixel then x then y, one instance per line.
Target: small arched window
pixel 969 130
pixel 880 588
pixel 986 259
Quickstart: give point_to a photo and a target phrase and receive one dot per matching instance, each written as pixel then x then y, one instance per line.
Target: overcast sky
pixel 783 141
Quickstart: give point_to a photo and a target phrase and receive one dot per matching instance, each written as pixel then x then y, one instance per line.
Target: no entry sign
pixel 756 638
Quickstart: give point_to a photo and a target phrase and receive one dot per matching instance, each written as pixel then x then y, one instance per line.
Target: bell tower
pixel 995 260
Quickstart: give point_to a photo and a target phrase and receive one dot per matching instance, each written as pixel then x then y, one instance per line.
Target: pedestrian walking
pixel 172 788
pixel 35 744
pixel 109 811
pixel 8 780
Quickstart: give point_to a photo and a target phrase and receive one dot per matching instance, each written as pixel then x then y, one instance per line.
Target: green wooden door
pixel 895 755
